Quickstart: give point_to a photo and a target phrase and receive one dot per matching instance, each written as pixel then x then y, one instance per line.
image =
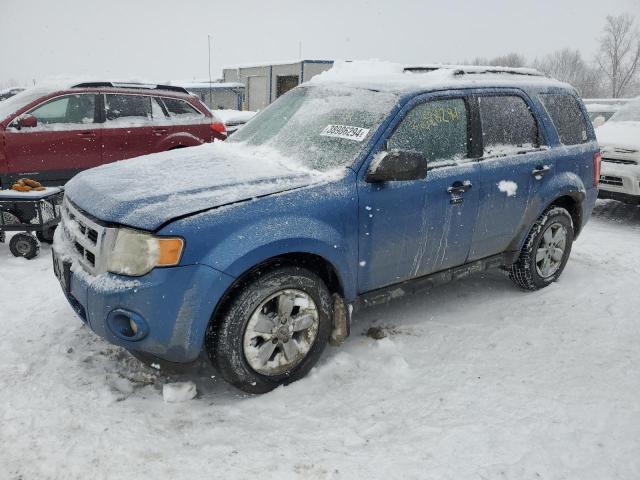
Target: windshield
pixel 629 113
pixel 322 128
pixel 19 100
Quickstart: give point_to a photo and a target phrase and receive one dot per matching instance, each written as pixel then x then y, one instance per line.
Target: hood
pixel 625 135
pixel 148 191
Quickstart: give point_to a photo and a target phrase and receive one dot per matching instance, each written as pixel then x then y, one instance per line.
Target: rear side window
pixel 130 107
pixel 567 117
pixel 437 129
pixel 70 109
pixel 508 125
pixel 179 108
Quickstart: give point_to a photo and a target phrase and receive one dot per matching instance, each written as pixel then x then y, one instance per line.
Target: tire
pixel 46 236
pixel 24 245
pixel 238 351
pixel 540 262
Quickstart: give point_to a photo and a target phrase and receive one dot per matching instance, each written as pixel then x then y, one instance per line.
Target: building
pixel 217 95
pixel 264 83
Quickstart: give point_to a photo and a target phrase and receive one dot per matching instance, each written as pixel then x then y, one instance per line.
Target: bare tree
pixel 509 60
pixel 568 66
pixel 619 52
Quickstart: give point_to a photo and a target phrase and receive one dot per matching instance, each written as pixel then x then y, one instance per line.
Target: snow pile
pixel 179 392
pixel 474 379
pixel 508 187
pixel 228 116
pixel 619 134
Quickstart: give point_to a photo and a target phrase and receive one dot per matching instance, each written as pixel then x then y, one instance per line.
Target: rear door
pixel 186 119
pixel 129 126
pixel 514 166
pixel 412 228
pixel 66 136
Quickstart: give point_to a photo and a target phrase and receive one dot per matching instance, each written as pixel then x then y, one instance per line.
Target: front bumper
pixel 619 179
pixel 175 303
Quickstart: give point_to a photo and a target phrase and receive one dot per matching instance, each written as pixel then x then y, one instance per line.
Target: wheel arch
pixel 313 262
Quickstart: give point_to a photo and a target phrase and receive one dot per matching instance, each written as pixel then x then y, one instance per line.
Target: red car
pixel 51 134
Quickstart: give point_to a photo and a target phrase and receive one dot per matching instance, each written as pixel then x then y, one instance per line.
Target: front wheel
pixel 273 332
pixel 546 250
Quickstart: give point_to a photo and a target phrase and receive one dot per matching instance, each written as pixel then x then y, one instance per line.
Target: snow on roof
pixel 189 85
pixel 394 77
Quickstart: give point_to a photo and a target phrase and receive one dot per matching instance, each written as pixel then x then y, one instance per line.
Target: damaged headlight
pixel 137 253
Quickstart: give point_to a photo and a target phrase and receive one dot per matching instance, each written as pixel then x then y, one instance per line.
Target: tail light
pixel 219 129
pixel 597 165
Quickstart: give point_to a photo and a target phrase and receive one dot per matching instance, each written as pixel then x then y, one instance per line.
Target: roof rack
pixel 475 70
pixel 144 86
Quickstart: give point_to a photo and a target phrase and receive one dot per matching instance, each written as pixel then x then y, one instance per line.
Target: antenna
pixel 210 81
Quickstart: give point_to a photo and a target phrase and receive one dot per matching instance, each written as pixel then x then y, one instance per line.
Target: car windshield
pixel 629 113
pixel 19 100
pixel 320 127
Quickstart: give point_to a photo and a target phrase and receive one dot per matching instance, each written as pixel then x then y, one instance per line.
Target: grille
pixel 86 238
pixel 609 180
pixel 619 161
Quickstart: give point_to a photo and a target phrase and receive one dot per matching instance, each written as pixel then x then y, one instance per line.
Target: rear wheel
pixel 273 332
pixel 546 250
pixel 24 245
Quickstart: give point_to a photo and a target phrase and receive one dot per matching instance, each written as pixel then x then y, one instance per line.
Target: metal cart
pixel 29 213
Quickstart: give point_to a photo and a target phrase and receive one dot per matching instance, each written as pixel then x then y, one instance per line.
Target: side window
pixel 178 108
pixel 437 129
pixel 156 110
pixel 567 117
pixel 507 125
pixel 71 109
pixel 128 107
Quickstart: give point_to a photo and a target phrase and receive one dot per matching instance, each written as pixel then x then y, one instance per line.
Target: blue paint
pixel 373 235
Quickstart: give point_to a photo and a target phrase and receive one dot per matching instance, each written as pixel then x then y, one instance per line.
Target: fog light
pixel 127 325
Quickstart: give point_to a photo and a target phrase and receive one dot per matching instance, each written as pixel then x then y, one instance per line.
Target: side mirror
pixel 26 121
pixel 397 165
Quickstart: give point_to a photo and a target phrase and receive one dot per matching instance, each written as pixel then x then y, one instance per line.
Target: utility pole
pixel 210 79
pixel 300 50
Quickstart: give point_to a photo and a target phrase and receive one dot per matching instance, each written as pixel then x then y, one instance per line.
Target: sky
pixel 167 40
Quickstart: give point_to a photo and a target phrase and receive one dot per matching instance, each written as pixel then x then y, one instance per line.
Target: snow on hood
pixel 148 191
pixel 619 134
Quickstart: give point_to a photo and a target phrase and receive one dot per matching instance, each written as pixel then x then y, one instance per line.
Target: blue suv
pixel 350 190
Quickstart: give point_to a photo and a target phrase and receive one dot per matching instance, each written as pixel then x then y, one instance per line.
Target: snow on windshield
pixel 628 113
pixel 320 127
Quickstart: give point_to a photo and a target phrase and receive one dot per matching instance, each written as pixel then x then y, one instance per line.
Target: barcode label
pixel 345 131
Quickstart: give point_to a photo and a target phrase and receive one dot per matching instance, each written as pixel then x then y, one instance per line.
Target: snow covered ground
pixel 474 380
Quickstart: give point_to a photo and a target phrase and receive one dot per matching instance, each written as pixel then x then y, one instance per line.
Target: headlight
pixel 137 253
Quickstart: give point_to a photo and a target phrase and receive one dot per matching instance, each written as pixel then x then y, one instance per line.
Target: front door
pixel 411 228
pixel 53 151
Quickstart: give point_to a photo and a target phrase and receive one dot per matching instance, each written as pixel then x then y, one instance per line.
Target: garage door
pixel 258 94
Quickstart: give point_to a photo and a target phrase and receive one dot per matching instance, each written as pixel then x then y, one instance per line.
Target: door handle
pixel 87 135
pixel 160 131
pixel 458 188
pixel 540 171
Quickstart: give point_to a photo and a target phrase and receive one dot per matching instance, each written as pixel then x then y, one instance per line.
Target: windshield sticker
pixel 344 131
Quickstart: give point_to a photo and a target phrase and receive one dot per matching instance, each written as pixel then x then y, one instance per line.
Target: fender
pixel 565 184
pixel 182 139
pixel 243 250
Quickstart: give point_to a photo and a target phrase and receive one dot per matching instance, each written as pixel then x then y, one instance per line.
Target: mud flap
pixel 341 321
